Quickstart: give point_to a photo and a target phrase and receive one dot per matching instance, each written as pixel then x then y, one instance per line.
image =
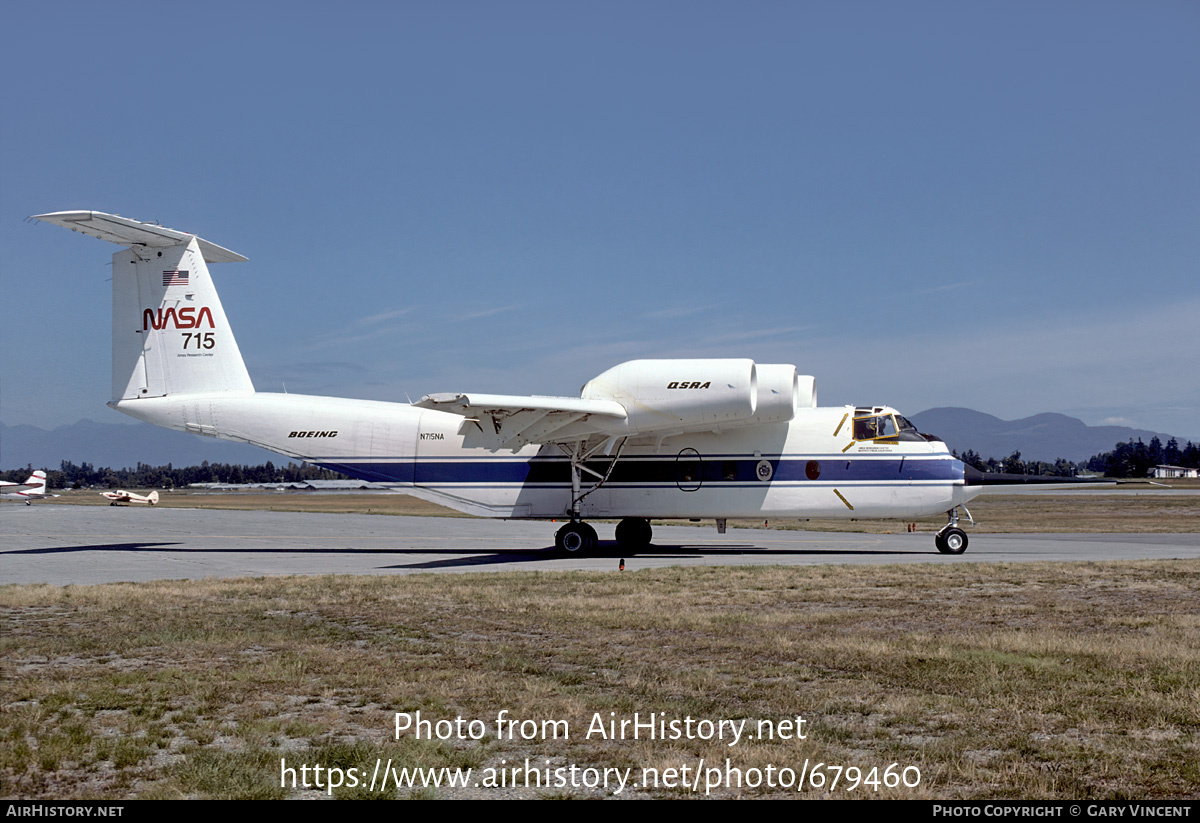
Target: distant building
pixel 1173 471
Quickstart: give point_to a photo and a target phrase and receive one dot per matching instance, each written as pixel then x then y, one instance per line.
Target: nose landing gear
pixel 951 539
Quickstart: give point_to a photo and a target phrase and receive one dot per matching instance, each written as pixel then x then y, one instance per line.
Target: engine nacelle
pixel 662 395
pixel 808 391
pixel 780 392
pixel 692 395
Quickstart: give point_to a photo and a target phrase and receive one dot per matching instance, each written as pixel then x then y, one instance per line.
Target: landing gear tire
pixel 951 541
pixel 575 539
pixel 633 535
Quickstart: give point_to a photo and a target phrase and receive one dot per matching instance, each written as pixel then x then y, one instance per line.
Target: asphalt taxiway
pixel 78 545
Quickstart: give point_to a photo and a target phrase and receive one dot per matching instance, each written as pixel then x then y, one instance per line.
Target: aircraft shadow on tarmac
pixel 610 550
pixel 466 558
pixel 99 547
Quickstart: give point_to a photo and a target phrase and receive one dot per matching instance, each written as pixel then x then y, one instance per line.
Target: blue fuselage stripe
pixel 634 472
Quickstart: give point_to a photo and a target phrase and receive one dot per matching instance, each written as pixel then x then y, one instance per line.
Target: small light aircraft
pixel 34 488
pixel 121 497
pixel 662 439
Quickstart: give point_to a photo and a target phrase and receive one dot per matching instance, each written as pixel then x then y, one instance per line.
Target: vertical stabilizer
pixel 170 334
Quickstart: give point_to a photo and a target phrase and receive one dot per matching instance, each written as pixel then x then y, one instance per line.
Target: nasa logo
pixel 686 385
pixel 185 318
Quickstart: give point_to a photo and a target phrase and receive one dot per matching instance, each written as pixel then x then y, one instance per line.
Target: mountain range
pixel 1045 437
pixel 119 446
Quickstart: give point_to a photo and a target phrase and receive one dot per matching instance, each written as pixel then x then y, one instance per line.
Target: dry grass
pixel 1022 680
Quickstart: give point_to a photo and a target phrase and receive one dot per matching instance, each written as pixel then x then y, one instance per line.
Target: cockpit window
pixel 867 425
pixel 872 424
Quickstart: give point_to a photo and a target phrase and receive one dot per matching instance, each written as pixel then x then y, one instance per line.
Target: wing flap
pixel 499 421
pixel 458 403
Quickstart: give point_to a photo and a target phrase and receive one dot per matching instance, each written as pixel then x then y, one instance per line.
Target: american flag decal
pixel 175 277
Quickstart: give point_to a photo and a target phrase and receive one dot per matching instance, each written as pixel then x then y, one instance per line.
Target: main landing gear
pixel 633 535
pixel 951 539
pixel 577 537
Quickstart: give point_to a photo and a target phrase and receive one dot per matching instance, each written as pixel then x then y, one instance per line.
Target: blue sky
pixel 993 205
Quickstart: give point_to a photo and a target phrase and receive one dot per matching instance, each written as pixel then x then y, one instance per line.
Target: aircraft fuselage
pixel 799 468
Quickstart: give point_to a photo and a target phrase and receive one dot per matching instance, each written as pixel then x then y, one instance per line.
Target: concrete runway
pixel 79 545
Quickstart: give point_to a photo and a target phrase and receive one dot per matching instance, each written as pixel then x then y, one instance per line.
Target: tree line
pixel 1137 459
pixel 1013 464
pixel 1132 459
pixel 72 476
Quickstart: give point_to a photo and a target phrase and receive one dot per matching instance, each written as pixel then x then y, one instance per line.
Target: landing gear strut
pixel 951 539
pixel 577 537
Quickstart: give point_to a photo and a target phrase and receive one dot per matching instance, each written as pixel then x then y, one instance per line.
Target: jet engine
pixel 702 394
pixel 781 391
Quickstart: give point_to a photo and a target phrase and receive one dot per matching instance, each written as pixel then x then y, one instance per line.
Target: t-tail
pixel 170 334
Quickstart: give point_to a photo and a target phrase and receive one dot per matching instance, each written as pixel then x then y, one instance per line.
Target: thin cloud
pixel 381 317
pixel 757 334
pixel 948 287
pixel 340 338
pixel 486 313
pixel 682 311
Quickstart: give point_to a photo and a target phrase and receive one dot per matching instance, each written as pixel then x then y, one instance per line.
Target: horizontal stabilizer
pixel 126 232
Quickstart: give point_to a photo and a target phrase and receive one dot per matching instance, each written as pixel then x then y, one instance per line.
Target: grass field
pixel 1026 680
pixel 1031 680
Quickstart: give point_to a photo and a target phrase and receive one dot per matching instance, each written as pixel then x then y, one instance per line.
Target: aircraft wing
pixel 498 421
pixel 9 487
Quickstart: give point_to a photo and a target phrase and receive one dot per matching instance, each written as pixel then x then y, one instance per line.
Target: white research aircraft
pixel 663 439
pixel 34 488
pixel 121 496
